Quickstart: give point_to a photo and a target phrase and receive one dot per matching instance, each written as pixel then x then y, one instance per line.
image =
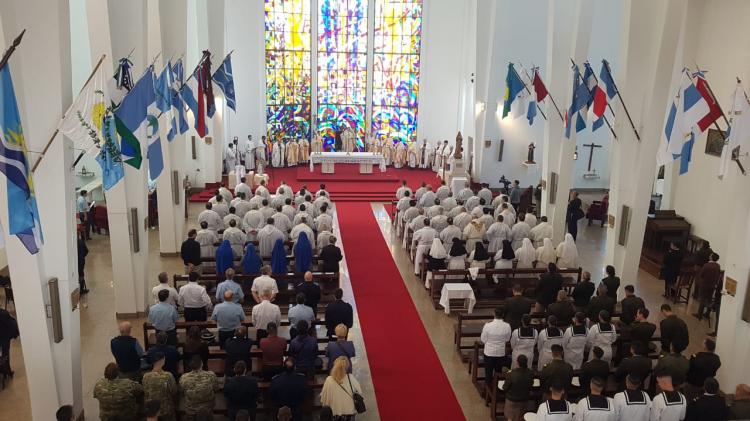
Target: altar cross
pixel 591 147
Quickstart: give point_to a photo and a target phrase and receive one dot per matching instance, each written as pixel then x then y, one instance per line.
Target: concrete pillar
pixel 116 37
pixel 42 77
pixel 648 44
pixel 568 37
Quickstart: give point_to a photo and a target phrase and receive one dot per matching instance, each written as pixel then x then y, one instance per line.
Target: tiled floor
pixel 98 322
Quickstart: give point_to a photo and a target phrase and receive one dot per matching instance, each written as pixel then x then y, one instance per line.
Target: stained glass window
pixel 342 68
pixel 288 73
pixel 397 42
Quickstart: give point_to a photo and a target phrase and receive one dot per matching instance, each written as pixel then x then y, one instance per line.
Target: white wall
pixel 520 36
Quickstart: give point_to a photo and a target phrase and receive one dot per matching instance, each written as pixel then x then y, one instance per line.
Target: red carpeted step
pixel 390 324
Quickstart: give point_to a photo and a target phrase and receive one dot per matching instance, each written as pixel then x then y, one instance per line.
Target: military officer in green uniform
pixel 118 398
pixel 198 387
pixel 159 385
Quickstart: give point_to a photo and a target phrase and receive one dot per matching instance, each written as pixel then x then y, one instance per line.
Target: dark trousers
pixel 224 335
pixel 195 314
pixel 269 371
pixel 5 349
pixel 171 337
pixel 492 364
pixel 705 295
pixel 573 227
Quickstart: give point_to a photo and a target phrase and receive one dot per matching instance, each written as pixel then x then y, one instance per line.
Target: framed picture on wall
pixel 714 142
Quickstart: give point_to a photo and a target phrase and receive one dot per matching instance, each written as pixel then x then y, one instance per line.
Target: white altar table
pixel 365 160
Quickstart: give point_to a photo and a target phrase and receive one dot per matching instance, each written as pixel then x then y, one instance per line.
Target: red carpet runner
pixel 410 383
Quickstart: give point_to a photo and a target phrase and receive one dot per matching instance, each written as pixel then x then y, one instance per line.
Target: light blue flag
pixel 109 157
pixel 164 98
pixel 132 114
pixel 224 78
pixel 178 105
pixel 23 214
pixel 153 153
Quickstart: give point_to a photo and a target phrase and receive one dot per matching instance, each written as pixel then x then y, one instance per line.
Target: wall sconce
pixel 480 107
pixel 575 154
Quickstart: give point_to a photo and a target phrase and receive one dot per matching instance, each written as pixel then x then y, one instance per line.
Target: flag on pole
pixel 224 78
pixel 589 79
pixel 131 116
pixel 688 108
pixel 122 82
pixel 529 97
pixel 164 100
pixel 23 214
pixel 603 92
pixel 206 85
pixel 739 129
pixel 513 86
pixel 539 88
pixel 109 157
pixel 154 153
pixel 192 94
pixel 178 105
pixel 578 105
pixel 714 110
pixel 82 122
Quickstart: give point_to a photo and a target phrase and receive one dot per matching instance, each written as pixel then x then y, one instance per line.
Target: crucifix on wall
pixel 591 147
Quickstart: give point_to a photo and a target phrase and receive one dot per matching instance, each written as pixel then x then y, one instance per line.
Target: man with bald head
pixel 228 316
pixel 127 352
pixel 311 290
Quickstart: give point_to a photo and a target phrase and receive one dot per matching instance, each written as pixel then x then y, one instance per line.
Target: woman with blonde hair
pixel 339 389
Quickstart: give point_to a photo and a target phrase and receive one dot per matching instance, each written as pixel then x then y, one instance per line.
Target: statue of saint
pixel 530 156
pixel 459 147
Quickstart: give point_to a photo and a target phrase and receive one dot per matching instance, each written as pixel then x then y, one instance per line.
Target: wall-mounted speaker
pixel 55 312
pixel 622 237
pixel 500 150
pixel 552 188
pixel 135 240
pixel 176 188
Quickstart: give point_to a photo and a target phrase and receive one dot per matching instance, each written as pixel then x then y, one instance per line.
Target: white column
pixel 172 19
pixel 116 37
pixel 487 11
pixel 650 33
pixel 569 34
pixel 42 78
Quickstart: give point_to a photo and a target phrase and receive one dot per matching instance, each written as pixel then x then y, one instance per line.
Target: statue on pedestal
pixel 459 146
pixel 530 156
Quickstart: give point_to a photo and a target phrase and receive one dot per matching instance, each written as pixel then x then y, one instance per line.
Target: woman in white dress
pixel 546 254
pixel 435 260
pixel 567 253
pixel 525 255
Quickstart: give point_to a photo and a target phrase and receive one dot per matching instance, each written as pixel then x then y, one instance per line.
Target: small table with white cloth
pixel 457 291
pixel 365 160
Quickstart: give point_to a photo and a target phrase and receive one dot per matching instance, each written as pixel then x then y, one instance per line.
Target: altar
pixel 366 160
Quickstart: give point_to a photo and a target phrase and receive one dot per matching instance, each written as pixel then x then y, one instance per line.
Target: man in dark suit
pixel 673 330
pixel 338 312
pixel 708 407
pixel 595 367
pixel 331 256
pixel 311 291
pixel 630 305
pixel 602 301
pixel 546 289
pixel 190 252
pixel 641 330
pixel 637 365
pixel 516 307
pixel 557 371
pixel 290 389
pixel 703 365
pixel 583 291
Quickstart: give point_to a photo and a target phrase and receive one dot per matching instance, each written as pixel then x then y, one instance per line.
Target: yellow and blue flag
pixel 513 87
pixel 23 214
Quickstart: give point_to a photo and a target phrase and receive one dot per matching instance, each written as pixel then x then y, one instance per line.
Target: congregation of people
pixel 594 357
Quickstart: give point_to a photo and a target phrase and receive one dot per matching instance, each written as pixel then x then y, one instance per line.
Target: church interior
pixel 374 209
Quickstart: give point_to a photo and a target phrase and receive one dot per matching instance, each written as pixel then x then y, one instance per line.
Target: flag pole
pixel 596 79
pixel 156 57
pixel 527 90
pixel 624 107
pixel 724 116
pixel 548 94
pixel 11 49
pixel 603 116
pixel 57 130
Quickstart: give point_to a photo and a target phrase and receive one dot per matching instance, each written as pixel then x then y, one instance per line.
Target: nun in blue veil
pixel 303 253
pixel 251 262
pixel 278 257
pixel 224 258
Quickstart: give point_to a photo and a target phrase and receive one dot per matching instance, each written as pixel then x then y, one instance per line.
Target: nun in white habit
pixel 526 255
pixel 567 253
pixel 546 254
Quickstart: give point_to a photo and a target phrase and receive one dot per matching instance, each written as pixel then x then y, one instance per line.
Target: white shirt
pixel 194 295
pixel 262 283
pixel 495 335
pixel 546 413
pixel 632 405
pixel 595 408
pixel 265 313
pixel 668 409
pixel 424 236
pixel 172 294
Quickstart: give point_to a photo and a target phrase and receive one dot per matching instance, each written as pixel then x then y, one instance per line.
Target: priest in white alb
pixel 249 153
pixel 267 237
pixel 520 231
pixel 541 231
pixel 277 154
pixel 304 151
pixel 400 160
pixel 317 144
pixel 236 238
pixel 496 234
pixel 412 155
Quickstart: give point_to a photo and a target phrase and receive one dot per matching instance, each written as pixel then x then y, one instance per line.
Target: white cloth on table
pixel 457 291
pixel 347 158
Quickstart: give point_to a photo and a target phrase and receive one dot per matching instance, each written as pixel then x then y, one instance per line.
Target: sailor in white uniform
pixel 595 406
pixel 575 341
pixel 603 335
pixel 632 404
pixel 669 405
pixel 555 408
pixel 549 336
pixel 523 340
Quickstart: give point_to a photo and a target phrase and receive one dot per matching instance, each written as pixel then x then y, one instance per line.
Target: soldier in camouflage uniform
pixel 198 387
pixel 159 385
pixel 118 398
